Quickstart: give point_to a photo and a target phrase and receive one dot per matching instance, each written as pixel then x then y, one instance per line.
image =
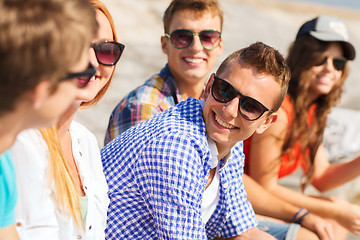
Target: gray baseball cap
pixel 329 29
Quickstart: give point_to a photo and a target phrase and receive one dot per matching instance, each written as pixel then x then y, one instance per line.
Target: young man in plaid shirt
pixel 192 43
pixel 179 174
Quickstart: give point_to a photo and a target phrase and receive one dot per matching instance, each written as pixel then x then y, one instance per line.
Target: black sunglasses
pixel 338 63
pixel 182 38
pixel 249 108
pixel 81 78
pixel 108 53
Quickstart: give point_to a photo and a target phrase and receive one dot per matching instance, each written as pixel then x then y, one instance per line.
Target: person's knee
pixel 305 234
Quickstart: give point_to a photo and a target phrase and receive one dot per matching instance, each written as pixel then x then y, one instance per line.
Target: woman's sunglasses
pixel 81 78
pixel 224 92
pixel 108 53
pixel 182 38
pixel 338 63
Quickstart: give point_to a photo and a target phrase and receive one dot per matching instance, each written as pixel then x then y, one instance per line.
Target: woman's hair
pixel 40 40
pixel 100 6
pixel 66 194
pixel 303 54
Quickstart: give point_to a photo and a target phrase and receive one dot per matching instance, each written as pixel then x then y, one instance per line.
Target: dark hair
pixel 302 56
pixel 266 60
pixel 199 7
pixel 40 40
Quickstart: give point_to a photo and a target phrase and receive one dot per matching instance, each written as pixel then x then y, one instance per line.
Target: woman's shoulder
pixel 78 130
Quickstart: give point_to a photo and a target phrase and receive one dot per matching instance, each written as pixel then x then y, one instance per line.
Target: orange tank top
pixel 292 161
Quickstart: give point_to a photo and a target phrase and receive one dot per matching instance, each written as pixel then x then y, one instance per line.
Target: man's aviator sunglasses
pixel 249 108
pixel 81 78
pixel 108 53
pixel 182 38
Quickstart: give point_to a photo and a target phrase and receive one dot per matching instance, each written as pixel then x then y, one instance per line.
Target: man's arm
pixel 267 204
pixel 251 234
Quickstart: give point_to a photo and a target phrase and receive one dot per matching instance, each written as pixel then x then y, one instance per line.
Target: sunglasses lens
pixel 84 77
pixel 222 91
pixel 250 108
pixel 107 53
pixel 321 62
pixel 181 38
pixel 210 39
pixel 339 63
pixel 82 81
pixel 81 78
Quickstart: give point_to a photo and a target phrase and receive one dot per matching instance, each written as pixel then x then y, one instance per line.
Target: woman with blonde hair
pixel 318 63
pixel 67 198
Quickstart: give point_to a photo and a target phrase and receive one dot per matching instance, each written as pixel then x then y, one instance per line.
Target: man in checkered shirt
pixel 178 175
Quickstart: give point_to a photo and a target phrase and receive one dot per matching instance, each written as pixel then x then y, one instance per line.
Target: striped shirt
pixel 156 95
pixel 157 172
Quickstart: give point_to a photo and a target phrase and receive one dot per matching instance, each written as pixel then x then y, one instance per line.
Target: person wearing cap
pixel 318 63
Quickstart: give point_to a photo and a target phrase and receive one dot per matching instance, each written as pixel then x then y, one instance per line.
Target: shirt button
pixel 18 224
pixel 80 154
pixel 225 185
pixel 78 236
pixel 90 227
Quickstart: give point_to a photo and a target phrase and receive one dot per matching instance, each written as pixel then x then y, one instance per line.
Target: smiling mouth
pixel 94 78
pixel 222 123
pixel 325 80
pixel 194 60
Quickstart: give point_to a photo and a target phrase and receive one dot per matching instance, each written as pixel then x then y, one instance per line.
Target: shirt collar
pixel 213 149
pixel 170 81
pixel 214 153
pixel 212 146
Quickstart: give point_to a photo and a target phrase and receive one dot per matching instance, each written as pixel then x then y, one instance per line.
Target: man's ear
pixel 164 44
pixel 207 90
pixel 268 121
pixel 40 93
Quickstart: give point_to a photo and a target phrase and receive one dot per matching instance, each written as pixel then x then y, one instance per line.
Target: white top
pixel 211 197
pixel 37 216
pixel 212 192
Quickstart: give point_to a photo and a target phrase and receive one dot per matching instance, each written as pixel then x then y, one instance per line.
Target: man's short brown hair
pixel 265 60
pixel 199 7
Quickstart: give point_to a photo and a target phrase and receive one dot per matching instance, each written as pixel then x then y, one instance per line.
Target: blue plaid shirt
pixel 157 172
